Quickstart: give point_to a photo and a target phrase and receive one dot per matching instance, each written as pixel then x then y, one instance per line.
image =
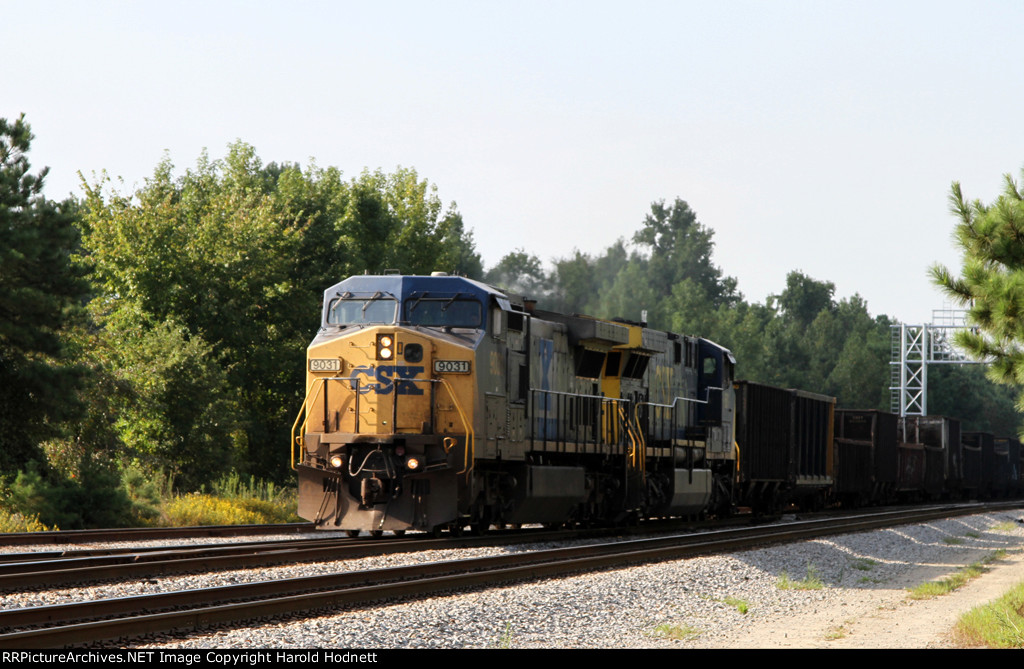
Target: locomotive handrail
pixel 303 416
pixel 560 434
pixel 318 384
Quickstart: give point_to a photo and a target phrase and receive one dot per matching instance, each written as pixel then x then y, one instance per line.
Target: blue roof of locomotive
pixel 403 287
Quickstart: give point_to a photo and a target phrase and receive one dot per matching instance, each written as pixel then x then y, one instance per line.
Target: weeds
pixel 953 541
pixel 505 640
pixel 738 604
pixel 956 580
pixel 863 564
pixel 16 522
pixel 1008 526
pixel 810 582
pixel 676 632
pixel 998 624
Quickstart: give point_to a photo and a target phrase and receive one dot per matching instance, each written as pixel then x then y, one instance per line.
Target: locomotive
pixel 438 402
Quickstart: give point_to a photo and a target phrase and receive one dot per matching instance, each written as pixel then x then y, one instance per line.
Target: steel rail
pixel 322 593
pixel 142 533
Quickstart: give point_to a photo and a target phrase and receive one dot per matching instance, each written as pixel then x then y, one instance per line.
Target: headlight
pixel 337 461
pixel 385 347
pixel 413 463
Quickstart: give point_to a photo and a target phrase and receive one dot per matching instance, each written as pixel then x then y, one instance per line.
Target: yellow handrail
pixel 299 439
pixel 467 465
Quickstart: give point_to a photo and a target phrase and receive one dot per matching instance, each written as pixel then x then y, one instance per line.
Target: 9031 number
pixel 451 366
pixel 324 364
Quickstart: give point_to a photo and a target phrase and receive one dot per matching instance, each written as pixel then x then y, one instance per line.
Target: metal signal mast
pixel 914 347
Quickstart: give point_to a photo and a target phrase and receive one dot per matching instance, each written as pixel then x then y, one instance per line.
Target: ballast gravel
pixel 698 602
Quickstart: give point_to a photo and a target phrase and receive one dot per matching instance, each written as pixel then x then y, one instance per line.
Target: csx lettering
pixel 389 377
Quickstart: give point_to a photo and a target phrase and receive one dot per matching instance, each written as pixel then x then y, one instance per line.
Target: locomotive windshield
pixel 360 310
pixel 453 312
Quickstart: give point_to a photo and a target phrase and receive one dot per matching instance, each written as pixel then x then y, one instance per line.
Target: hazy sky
pixel 821 136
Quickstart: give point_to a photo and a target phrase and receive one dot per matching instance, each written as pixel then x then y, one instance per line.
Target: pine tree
pixel 39 285
pixel 991 283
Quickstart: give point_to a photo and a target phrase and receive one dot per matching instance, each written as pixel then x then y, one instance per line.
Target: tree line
pixel 160 330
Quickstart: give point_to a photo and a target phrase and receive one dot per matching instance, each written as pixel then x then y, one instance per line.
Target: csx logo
pixel 388 378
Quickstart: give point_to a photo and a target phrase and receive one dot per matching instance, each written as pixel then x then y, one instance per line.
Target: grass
pixel 837 632
pixel 675 632
pixel 998 624
pixel 863 564
pixel 810 582
pixel 505 640
pixel 956 580
pixel 739 604
pixel 972 535
pixel 952 541
pixel 1008 526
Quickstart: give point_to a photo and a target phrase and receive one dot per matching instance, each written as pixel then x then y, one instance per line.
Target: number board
pixel 324 365
pixel 451 366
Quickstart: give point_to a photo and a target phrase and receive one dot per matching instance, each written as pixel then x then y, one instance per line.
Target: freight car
pixel 438 403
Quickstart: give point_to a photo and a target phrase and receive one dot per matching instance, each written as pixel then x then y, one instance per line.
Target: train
pixel 439 403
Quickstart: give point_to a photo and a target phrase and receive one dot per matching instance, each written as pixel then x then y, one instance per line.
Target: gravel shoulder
pixel 692 603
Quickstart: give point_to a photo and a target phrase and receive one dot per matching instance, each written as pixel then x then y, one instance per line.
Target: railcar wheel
pixel 437 531
pixel 376 534
pixel 398 533
pixel 455 530
pixel 352 533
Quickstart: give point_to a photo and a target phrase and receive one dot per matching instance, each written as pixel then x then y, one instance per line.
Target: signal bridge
pixel 914 347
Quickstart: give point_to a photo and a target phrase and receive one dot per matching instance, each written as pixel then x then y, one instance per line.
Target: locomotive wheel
pixel 352 533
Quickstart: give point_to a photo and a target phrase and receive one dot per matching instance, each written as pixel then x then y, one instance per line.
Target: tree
pixel 680 250
pixel 209 285
pixel 520 273
pixel 991 283
pixel 40 287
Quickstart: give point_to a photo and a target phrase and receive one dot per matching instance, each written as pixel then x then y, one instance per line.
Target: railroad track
pixel 21 572
pixel 144 533
pixel 115 620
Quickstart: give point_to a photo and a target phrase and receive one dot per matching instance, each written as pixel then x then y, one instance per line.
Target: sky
pixel 818 136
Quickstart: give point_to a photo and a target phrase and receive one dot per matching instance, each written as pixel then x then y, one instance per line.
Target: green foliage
pixel 233 501
pixel 999 624
pixel 676 632
pixel 39 290
pixel 12 521
pixel 954 581
pixel 740 605
pixel 991 283
pixel 208 289
pixel 93 498
pixel 810 582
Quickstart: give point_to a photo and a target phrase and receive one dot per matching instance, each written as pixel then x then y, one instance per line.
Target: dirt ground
pixel 887 618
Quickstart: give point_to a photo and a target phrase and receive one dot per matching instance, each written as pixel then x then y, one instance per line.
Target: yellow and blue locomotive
pixel 437 402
